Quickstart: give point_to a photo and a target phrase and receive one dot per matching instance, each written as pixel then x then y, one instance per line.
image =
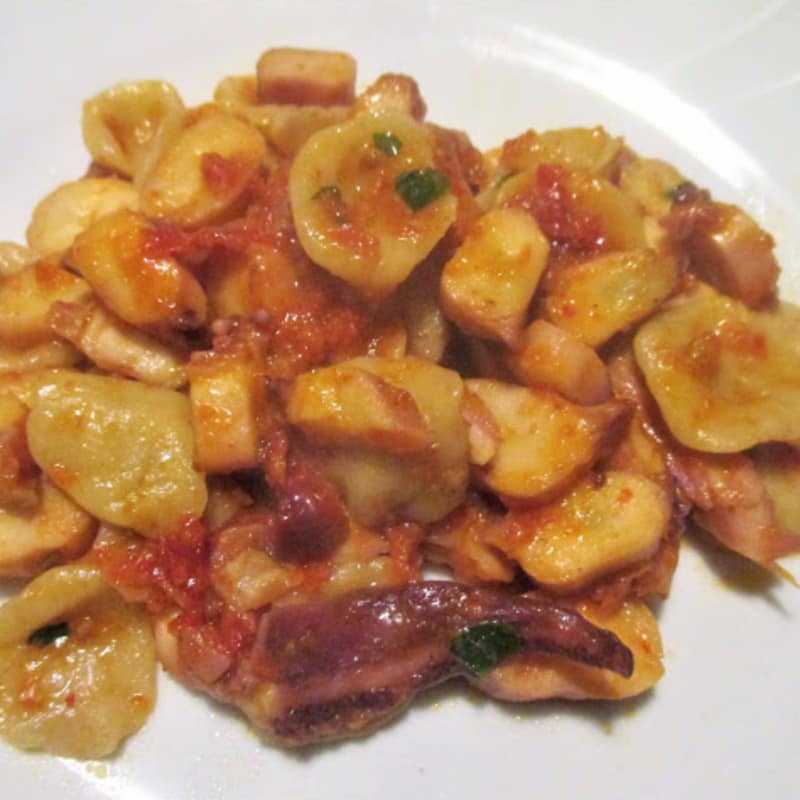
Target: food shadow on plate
pixel 735 572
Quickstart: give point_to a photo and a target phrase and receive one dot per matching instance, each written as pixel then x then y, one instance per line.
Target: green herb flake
pixel 331 198
pixel 48 634
pixel 480 648
pixel 418 187
pixel 388 143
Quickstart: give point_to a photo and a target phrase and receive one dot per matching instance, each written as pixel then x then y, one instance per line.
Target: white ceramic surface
pixel 713 87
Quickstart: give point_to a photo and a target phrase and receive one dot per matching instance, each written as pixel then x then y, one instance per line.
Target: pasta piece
pixel 117 347
pixel 154 293
pixel 14 258
pixel 590 149
pixel 78 671
pixel 120 449
pixel 420 487
pixel 546 442
pixel 48 355
pixel 652 183
pixel 549 357
pixel 488 283
pixel 578 212
pixel 540 677
pixel 74 207
pixel 596 529
pixel 205 169
pixel 609 294
pixel 27 297
pixel 126 126
pixel 708 361
pixel 55 531
pixel 370 209
pixel 19 476
pixel 306 77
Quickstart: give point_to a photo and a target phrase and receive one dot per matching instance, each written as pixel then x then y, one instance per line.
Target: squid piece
pixel 549 357
pixel 732 503
pixel 120 449
pixel 365 655
pixel 652 183
pixel 538 677
pixel 546 442
pixel 725 378
pixel 422 486
pixel 73 208
pixel 367 202
pixel 392 92
pixel 77 666
pixel 47 355
pixel 306 77
pixel 488 284
pixel 117 347
pixel 345 405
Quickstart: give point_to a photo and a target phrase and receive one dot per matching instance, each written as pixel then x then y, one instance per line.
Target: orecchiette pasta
pixel 276 354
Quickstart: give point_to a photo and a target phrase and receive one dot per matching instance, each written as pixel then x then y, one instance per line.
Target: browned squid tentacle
pixel 343 666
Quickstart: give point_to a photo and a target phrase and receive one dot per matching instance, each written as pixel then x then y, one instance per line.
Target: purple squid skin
pixel 344 666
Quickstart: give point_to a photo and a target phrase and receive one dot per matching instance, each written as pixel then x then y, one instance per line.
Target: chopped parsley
pixel 480 648
pixel 388 143
pixel 48 634
pixel 418 187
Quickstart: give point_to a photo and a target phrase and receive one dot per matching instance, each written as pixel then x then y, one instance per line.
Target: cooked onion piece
pixel 204 170
pixel 26 299
pixel 725 377
pixel 77 666
pixel 149 291
pixel 120 449
pixel 74 207
pixel 538 677
pixel 367 201
pixel 125 126
pixel 593 531
pixel 609 294
pixel 545 442
pixel 488 283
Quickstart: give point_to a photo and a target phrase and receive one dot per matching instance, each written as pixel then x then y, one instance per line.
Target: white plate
pixel 712 87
